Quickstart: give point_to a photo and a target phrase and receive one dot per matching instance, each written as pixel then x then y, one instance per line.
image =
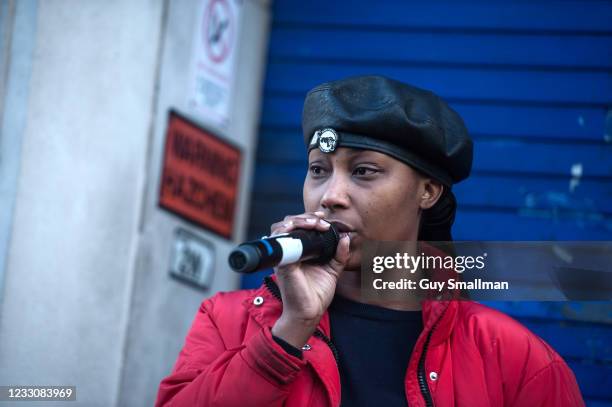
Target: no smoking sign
pixel 218 35
pixel 213 66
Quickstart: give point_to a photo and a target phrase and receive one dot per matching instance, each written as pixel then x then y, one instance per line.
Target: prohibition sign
pixel 218 30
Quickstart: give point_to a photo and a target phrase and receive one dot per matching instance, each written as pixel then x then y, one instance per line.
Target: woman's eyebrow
pixel 316 159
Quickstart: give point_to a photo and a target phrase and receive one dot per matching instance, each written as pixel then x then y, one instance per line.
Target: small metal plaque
pixel 192 259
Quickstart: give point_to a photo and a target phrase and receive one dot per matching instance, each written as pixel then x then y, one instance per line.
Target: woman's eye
pixel 316 170
pixel 362 171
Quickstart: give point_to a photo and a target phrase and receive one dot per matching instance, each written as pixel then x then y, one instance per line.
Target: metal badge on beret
pixel 328 140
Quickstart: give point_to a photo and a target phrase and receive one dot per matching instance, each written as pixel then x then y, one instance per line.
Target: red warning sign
pixel 199 176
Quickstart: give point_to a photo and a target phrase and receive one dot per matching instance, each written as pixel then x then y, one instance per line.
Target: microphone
pixel 307 245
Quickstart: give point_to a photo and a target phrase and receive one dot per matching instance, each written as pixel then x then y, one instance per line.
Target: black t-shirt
pixel 374 345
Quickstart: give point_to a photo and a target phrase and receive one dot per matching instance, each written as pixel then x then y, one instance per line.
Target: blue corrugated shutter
pixel 533 81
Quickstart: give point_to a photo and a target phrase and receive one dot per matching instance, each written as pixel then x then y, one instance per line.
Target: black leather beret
pixel 410 124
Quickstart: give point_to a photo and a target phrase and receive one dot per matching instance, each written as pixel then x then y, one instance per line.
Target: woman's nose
pixel 336 194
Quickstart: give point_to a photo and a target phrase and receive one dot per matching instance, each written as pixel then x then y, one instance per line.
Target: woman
pixel 382 157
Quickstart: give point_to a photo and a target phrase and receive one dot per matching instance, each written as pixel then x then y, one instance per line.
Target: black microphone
pixel 307 245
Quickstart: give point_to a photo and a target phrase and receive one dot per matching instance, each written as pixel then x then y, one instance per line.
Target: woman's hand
pixel 306 289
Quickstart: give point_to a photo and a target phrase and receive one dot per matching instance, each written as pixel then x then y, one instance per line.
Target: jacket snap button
pixel 306 347
pixel 433 375
pixel 258 301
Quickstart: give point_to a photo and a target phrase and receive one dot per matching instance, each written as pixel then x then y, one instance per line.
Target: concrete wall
pixel 87 300
pixel 159 304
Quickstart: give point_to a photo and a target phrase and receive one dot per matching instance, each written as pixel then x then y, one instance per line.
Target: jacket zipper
pixel 421 373
pixel 421 368
pixel 275 291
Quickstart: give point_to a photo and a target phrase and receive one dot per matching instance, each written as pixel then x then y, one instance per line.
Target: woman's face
pixel 376 196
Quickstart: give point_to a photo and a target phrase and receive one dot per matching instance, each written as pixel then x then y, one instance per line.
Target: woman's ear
pixel 432 191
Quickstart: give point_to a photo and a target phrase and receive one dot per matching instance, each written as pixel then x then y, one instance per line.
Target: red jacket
pixel 467 355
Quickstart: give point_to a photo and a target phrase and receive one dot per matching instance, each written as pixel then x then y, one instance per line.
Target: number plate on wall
pixel 192 259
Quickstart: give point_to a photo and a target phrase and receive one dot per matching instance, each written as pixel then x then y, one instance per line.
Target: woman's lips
pixel 343 229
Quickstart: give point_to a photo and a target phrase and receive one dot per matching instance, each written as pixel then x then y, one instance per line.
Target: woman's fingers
pixel 310 222
pixel 342 254
pixel 303 221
